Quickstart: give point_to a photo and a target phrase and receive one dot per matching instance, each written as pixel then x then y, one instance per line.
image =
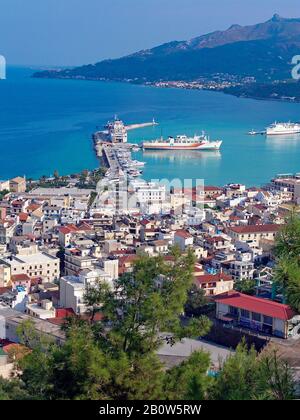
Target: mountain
pixel 263 51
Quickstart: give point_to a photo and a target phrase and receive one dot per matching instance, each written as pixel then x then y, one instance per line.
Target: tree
pixel 238 376
pixel 292 292
pixel 287 271
pixel 43 179
pixel 189 380
pixel 115 359
pixel 288 239
pixel 150 300
pixel 12 390
pixel 247 286
pixel 249 376
pixel 3 194
pixel 94 297
pixel 83 176
pixel 196 299
pixel 75 370
pixel 78 369
pixel 276 381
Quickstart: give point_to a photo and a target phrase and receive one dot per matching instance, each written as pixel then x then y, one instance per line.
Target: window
pixel 233 311
pixel 268 320
pixel 256 317
pixel 245 313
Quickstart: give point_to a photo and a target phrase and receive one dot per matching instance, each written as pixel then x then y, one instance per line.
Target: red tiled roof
pixel 20 277
pixel 56 321
pixel 85 226
pixel 128 259
pixel 17 203
pixel 10 346
pixel 183 234
pixel 33 207
pixel 215 239
pixel 255 304
pixel 68 229
pixel 23 217
pixel 256 228
pixel 64 313
pixel 209 278
pixel 4 290
pixel 212 188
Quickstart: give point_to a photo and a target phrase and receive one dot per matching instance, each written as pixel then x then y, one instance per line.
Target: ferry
pixel 283 129
pixel 183 143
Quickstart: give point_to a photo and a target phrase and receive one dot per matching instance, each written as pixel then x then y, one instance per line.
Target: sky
pixel 74 32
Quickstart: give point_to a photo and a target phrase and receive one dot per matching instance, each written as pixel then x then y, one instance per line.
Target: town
pixel 57 241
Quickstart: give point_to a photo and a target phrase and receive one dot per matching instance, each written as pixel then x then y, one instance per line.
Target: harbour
pixel 53 131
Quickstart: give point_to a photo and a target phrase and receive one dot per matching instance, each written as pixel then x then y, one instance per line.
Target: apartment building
pixel 37 264
pixel 252 234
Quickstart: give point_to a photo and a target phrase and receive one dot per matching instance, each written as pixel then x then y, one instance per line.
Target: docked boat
pixel 278 129
pixel 138 163
pixel 183 143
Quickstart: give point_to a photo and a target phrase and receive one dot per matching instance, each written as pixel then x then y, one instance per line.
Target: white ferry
pixel 183 143
pixel 278 129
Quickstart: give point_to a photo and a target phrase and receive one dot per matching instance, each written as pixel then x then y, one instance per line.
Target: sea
pixel 46 125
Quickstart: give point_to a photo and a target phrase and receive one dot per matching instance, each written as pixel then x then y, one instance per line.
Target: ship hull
pixel 196 146
pixel 284 133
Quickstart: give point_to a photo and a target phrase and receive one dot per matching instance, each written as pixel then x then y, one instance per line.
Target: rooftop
pixel 255 304
pixel 256 228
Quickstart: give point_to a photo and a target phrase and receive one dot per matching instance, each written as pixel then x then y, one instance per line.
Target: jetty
pixel 142 125
pixel 116 133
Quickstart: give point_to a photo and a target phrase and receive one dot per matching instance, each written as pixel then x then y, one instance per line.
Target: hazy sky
pixel 71 32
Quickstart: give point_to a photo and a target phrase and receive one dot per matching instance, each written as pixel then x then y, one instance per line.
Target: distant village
pixel 217 82
pixel 56 241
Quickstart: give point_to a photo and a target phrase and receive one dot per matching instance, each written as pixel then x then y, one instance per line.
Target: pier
pixel 116 132
pixel 142 125
pixel 110 159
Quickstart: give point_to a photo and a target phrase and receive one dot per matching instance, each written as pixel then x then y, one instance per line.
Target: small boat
pixel 256 133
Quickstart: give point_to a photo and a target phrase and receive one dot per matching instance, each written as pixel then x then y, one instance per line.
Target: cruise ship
pixel 183 143
pixel 283 129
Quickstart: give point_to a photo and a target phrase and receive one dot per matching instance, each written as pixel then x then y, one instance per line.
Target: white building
pixel 183 239
pixel 10 320
pixel 41 310
pixel 73 288
pixel 148 197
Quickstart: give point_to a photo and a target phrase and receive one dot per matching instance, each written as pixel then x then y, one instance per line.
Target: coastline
pixel 226 91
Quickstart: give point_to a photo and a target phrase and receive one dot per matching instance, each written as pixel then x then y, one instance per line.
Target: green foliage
pixel 94 297
pixel 248 376
pixel 196 299
pixel 3 194
pixel 287 271
pixel 75 370
pixel 92 198
pixel 116 359
pixel 247 286
pixel 189 381
pixel 276 381
pixel 12 390
pixel 288 239
pixel 151 300
pixel 238 376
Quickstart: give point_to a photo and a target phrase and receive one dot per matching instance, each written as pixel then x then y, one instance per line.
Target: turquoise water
pixel 47 125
